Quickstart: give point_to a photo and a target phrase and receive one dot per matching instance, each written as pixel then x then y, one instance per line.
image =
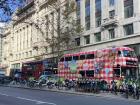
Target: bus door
pixel 117 72
pixel 82 73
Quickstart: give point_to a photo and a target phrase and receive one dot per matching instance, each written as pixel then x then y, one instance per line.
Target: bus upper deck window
pixel 119 53
pixel 62 59
pixel 127 53
pixel 75 57
pixel 68 58
pixel 82 57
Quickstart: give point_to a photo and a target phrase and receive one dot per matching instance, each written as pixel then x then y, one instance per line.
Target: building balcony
pixel 110 22
pixel 29 1
pixel 42 3
pixel 37 45
pixel 29 6
pixel 23 12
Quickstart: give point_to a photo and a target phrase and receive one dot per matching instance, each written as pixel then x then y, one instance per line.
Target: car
pixel 2 77
pixel 49 78
pixel 7 79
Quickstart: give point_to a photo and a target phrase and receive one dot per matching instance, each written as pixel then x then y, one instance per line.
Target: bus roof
pixel 94 51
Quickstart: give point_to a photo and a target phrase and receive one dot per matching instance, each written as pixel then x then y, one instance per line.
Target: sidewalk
pixel 101 94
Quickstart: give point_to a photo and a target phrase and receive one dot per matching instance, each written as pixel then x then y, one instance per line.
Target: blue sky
pixel 13 4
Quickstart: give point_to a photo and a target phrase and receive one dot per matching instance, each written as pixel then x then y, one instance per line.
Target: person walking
pixel 126 90
pixel 16 78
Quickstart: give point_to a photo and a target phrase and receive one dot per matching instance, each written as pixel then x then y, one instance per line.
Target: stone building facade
pixel 106 23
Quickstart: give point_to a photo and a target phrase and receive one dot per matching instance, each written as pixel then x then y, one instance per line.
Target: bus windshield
pixel 127 53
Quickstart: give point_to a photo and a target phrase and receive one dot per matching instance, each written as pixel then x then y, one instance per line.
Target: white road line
pixel 4 94
pixel 37 101
pixel 27 99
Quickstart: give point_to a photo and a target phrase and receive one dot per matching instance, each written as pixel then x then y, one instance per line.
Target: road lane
pixel 6 100
pixel 32 97
pixel 14 99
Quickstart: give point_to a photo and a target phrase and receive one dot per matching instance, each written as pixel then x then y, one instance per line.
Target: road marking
pixel 4 94
pixel 49 103
pixel 37 101
pixel 27 99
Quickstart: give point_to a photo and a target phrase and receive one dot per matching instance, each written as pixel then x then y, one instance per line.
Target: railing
pixel 85 86
pixel 43 2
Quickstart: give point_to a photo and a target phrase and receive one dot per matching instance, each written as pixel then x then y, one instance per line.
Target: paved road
pixel 17 96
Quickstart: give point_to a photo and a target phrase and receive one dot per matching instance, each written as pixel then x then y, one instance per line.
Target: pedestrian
pixel 126 90
pixel 137 93
pixel 134 89
pixel 16 78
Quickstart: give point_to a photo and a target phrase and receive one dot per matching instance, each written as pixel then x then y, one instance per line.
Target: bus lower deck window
pixel 90 73
pixel 82 73
pixel 82 57
pixel 90 56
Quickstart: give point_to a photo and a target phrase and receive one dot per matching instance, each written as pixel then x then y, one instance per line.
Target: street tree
pixel 62 29
pixel 7 8
pixel 57 33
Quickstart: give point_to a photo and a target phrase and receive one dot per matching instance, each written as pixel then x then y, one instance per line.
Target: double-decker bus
pixel 105 64
pixel 34 68
pixel 37 68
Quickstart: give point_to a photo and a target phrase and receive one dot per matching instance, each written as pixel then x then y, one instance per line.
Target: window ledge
pixel 111 40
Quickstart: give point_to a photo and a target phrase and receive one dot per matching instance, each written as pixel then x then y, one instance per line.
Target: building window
pixel 16 66
pixel 78 21
pixel 98 21
pixel 19 56
pixel 87 22
pixel 47 25
pixel 111 2
pixel 98 12
pixel 45 48
pixel 112 14
pixel 16 56
pixel 98 5
pixel 30 53
pixel 78 8
pixel 52 23
pixel 77 41
pixel 78 11
pixel 128 8
pixel 87 12
pixel 128 29
pixel 26 54
pixel 23 55
pixel 111 33
pixel 98 37
pixel 87 39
